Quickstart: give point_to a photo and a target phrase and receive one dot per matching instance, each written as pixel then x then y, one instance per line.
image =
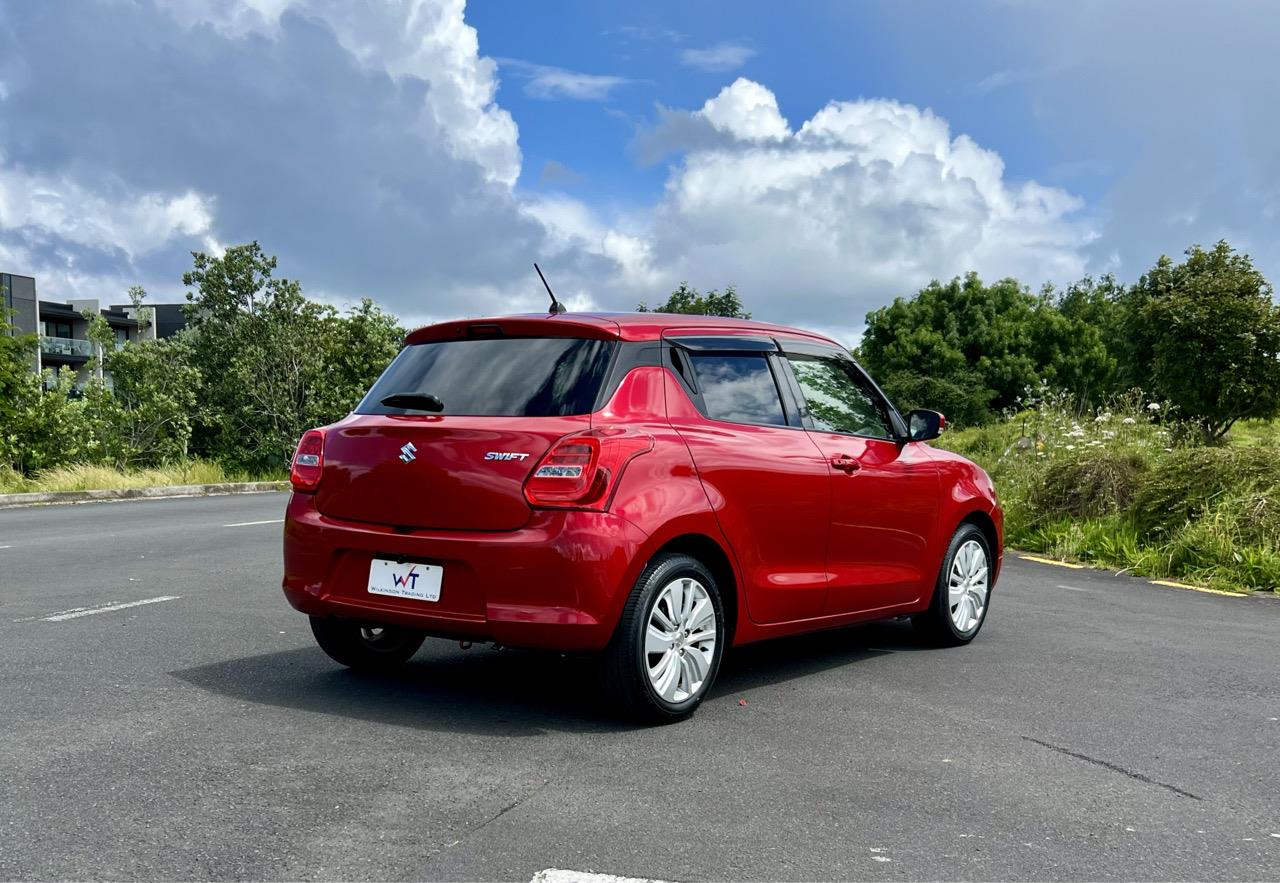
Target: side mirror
pixel 925 425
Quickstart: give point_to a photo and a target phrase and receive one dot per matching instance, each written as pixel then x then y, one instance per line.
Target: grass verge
pixel 93 478
pixel 1121 488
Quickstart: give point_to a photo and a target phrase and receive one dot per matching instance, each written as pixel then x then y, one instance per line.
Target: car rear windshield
pixel 497 377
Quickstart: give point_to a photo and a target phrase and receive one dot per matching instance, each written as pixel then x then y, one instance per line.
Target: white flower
pixel 1154 406
pixel 1128 421
pixel 1071 447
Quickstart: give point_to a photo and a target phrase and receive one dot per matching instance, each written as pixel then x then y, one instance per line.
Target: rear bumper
pixel 558 583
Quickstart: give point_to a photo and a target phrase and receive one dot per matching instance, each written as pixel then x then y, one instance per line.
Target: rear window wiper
pixel 414 401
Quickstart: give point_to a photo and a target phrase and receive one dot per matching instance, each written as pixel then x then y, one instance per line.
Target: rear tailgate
pixel 421 472
pixel 475 406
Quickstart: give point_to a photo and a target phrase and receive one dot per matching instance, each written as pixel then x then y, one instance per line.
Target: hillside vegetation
pixel 1131 487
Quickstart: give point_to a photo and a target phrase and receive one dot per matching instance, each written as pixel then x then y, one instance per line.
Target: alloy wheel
pixel 680 639
pixel 967 586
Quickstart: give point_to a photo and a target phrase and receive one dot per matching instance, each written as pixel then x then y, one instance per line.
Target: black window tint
pixel 739 389
pixel 839 398
pixel 498 377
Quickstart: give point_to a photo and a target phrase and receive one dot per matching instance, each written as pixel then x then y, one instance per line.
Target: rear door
pixel 506 400
pixel 766 479
pixel 884 491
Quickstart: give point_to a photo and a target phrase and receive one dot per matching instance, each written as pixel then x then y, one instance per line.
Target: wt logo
pixel 408 581
pixel 407 452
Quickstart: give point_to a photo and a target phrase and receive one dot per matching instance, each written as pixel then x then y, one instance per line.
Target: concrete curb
pixel 9 501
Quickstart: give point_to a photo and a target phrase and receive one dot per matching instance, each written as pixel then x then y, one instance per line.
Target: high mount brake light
pixel 308 462
pixel 581 471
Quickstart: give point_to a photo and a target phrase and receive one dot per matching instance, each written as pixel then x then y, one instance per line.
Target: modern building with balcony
pixel 63 328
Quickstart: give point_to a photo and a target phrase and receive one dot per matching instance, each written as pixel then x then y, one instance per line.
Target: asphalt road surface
pixel 1099 728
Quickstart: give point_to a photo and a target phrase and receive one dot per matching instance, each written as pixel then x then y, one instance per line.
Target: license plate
pixel 404 579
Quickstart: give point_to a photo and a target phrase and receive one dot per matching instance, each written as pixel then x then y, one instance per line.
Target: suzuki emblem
pixel 407 452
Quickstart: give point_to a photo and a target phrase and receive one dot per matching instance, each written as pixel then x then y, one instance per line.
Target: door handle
pixel 845 463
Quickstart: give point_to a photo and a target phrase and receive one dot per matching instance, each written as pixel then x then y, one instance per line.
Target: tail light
pixel 308 462
pixel 581 471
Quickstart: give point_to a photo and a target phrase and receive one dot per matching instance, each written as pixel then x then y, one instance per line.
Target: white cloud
pixel 721 57
pixel 358 141
pixel 746 110
pixel 1003 78
pixel 645 33
pixel 547 82
pixel 64 210
pixel 865 201
pixel 427 39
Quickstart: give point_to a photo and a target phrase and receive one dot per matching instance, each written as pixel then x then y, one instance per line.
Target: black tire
pixel 625 664
pixel 936 624
pixel 365 647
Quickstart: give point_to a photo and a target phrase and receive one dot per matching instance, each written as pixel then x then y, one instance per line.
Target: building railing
pixel 66 346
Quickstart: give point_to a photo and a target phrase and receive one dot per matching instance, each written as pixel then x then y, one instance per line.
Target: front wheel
pixel 666 651
pixel 962 594
pixel 365 647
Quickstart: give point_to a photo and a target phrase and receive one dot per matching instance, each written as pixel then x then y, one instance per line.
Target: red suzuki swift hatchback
pixel 650 488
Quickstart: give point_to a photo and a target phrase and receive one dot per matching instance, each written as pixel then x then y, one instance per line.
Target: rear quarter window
pixel 739 389
pixel 498 377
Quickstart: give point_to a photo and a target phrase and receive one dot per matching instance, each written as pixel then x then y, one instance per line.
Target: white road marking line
pixel 557 875
pixel 107 608
pixel 254 523
pixel 1073 588
pixel 6 547
pixel 72 610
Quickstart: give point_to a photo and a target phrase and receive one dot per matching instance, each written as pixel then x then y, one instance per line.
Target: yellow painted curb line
pixel 1155 582
pixel 1174 585
pixel 1051 561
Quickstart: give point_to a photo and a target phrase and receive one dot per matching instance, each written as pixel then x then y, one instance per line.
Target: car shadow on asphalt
pixel 512 692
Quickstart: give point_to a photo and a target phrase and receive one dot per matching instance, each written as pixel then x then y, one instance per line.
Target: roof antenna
pixel 556 307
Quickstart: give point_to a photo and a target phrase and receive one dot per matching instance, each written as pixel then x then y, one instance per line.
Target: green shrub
pixel 1187 483
pixel 1099 483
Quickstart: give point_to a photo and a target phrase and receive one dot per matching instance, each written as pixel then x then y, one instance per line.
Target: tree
pixel 1098 305
pixel 258 345
pixel 145 316
pixel 358 348
pixel 155 392
pixel 1206 335
pixel 980 347
pixel 16 389
pixel 273 363
pixel 687 300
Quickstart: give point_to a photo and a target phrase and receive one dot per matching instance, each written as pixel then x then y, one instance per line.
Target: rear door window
pixel 738 388
pixel 840 398
pixel 498 377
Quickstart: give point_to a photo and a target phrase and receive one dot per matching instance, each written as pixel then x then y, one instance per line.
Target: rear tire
pixel 373 648
pixel 666 650
pixel 962 593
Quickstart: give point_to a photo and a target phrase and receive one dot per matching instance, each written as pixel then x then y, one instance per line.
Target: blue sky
pixel 823 157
